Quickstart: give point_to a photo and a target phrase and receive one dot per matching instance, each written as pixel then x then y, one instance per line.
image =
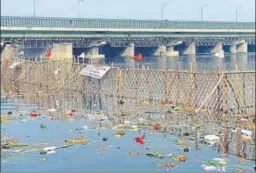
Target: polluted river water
pixel 95 143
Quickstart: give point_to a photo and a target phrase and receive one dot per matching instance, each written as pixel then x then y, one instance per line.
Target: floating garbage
pixel 69 114
pixel 5 120
pixel 85 127
pixel 246 138
pixel 140 140
pixel 134 153
pixel 155 155
pixel 117 136
pixel 141 119
pixel 169 155
pixel 180 158
pixel 51 110
pixel 246 132
pixel 42 126
pixel 209 168
pixel 34 114
pixel 166 165
pixel 51 152
pixel 189 108
pixel 12 144
pixel 157 126
pixel 105 139
pixel 241 159
pixel 126 127
pixel 48 152
pixel 180 142
pixel 127 122
pixel 102 149
pixel 77 141
pixel 121 133
pixel 243 120
pixel 211 139
pixel 43 159
pixel 49 148
pixel 186 149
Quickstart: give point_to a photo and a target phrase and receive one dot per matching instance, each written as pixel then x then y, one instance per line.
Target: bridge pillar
pixel 232 48
pixel 160 51
pixel 62 51
pixel 217 48
pixel 170 51
pixel 128 51
pixel 190 49
pixel 94 53
pixel 242 48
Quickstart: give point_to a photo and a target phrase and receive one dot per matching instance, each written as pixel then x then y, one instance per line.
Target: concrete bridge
pixel 165 37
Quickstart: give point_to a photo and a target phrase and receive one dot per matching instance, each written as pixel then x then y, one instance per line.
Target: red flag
pixel 48 53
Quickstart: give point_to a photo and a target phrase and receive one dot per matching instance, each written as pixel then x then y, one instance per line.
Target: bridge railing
pixel 119 23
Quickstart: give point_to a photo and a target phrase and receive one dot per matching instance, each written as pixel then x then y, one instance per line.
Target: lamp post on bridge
pixel 202 12
pixel 237 8
pixel 162 9
pixel 78 9
pixel 34 8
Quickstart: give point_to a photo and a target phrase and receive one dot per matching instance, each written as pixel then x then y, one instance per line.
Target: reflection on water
pixel 196 62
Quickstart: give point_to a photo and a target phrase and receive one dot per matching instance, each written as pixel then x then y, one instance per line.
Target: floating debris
pixel 134 153
pixel 77 141
pixel 42 126
pixel 166 165
pixel 155 155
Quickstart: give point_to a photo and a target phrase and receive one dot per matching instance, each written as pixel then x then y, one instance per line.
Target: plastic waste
pixel 182 158
pixel 101 149
pixel 5 120
pixel 42 126
pixel 169 155
pixel 51 152
pixel 43 159
pixel 85 127
pixel 77 141
pixel 155 155
pixel 34 114
pixel 211 139
pixel 121 133
pixel 209 168
pixel 140 140
pixel 166 165
pixel 180 142
pixel 127 122
pixel 141 119
pixel 117 136
pixel 157 126
pixel 241 159
pixel 246 132
pixel 186 149
pixel 134 153
pixel 105 139
pixel 51 110
pixel 49 148
pixel 220 161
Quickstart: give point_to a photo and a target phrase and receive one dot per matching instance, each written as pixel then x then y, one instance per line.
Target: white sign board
pixel 94 71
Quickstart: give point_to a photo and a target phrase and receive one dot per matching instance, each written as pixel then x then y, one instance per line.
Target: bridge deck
pixel 119 23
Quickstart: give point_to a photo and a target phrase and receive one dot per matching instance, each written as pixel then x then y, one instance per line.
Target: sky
pixel 214 10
